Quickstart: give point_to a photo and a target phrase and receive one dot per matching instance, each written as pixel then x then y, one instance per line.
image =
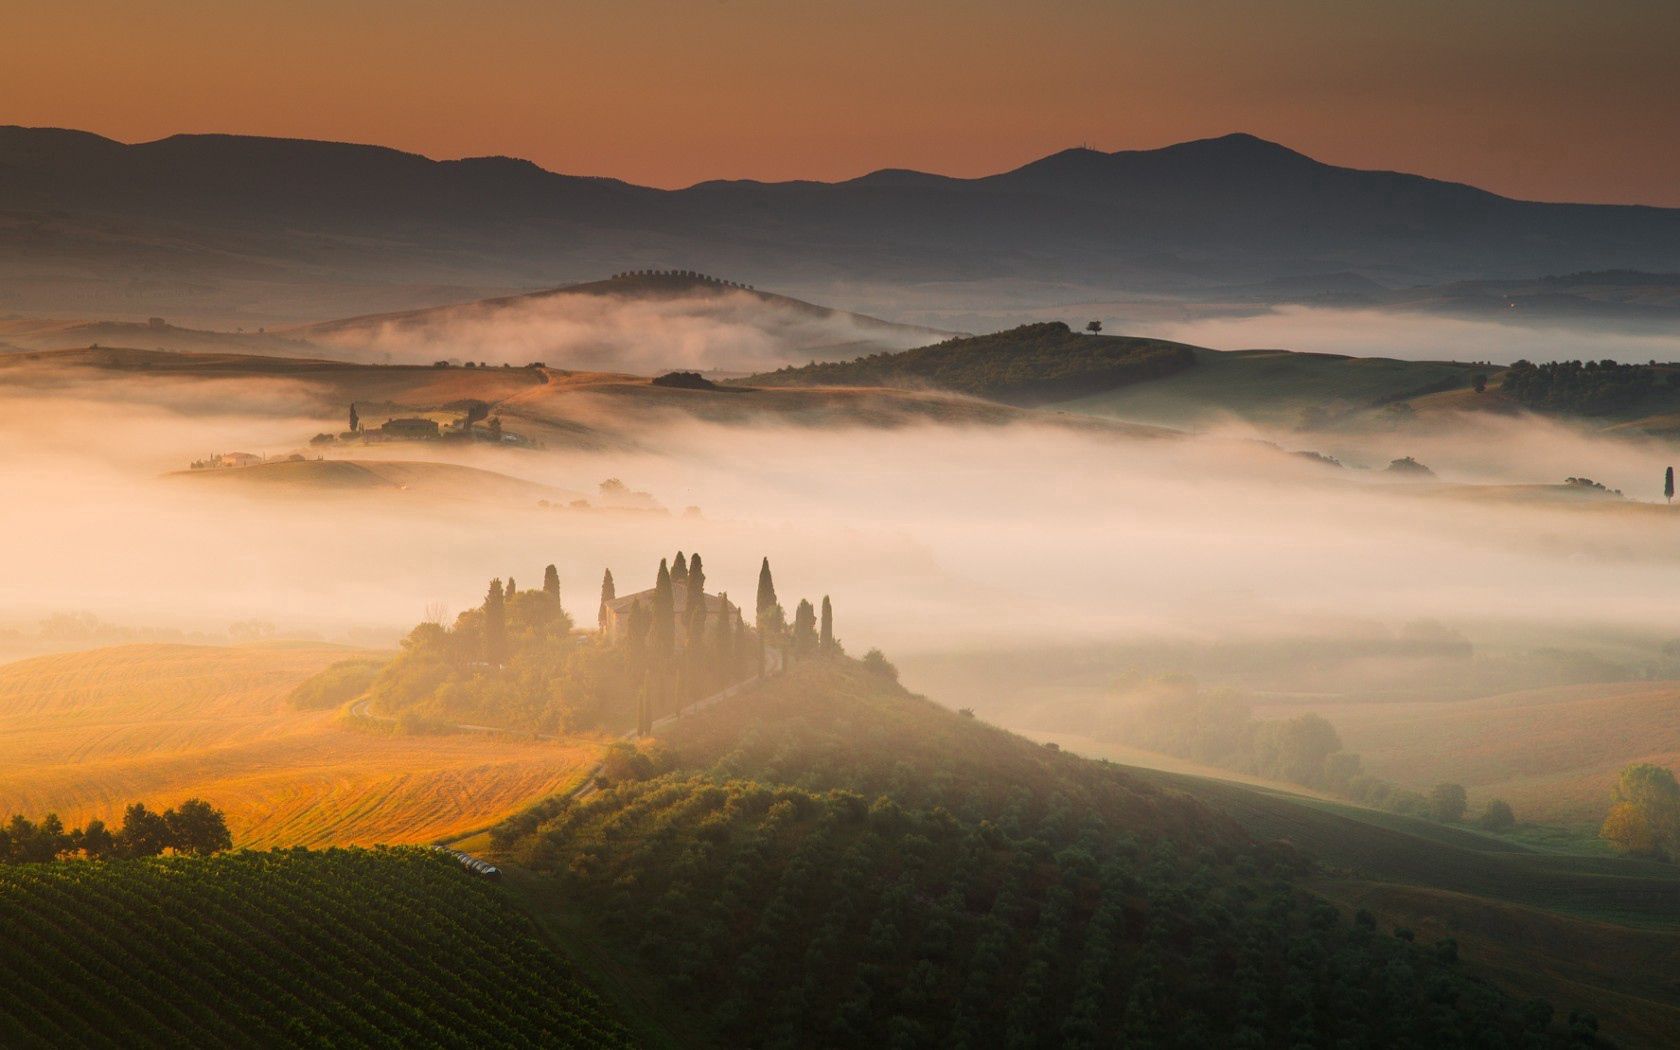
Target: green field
pixel 338 948
pixel 1272 388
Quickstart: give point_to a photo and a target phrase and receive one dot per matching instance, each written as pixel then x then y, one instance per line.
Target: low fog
pixel 734 330
pixel 1419 336
pixel 928 538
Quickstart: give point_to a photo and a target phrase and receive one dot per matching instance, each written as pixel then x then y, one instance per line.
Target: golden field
pixel 1552 753
pixel 87 733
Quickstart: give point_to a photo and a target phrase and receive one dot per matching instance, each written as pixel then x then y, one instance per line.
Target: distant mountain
pixel 273 229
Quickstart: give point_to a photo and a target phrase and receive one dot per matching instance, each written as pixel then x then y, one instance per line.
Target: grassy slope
pixel 1552 753
pixel 89 732
pixel 445 480
pixel 340 948
pixel 1270 387
pixel 1570 928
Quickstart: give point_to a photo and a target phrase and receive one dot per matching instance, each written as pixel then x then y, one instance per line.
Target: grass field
pixel 86 733
pixel 443 480
pixel 1271 387
pixel 1552 753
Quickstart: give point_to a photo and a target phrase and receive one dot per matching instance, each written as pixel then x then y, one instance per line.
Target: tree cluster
pixel 1030 365
pixel 194 827
pixel 1589 388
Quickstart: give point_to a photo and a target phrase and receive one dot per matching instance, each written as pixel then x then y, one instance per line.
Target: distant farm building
pixel 616 615
pixel 414 428
pixel 238 459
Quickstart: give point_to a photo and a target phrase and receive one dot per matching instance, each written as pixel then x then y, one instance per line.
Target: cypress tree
pixel 495 623
pixel 768 609
pixel 663 633
pixel 1668 485
pixel 695 601
pixel 551 585
pixel 679 568
pixel 510 587
pixel 826 639
pixel 355 420
pixel 644 711
pixel 608 593
pixel 804 627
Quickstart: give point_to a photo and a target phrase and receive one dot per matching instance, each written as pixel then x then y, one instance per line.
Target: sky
pixel 1541 99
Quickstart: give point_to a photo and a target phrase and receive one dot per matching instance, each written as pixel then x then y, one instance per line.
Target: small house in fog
pixel 616 622
pixel 414 428
pixel 238 459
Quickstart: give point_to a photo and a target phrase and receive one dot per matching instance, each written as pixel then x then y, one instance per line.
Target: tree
pixel 1646 817
pixel 1094 327
pixel 1447 803
pixel 1498 816
pixel 770 616
pixel 608 593
pixel 679 568
pixel 804 627
pixel 551 585
pixel 1479 382
pixel 355 420
pixel 662 636
pixel 97 841
pixel 644 711
pixel 507 592
pixel 495 428
pixel 143 834
pixel 197 827
pixel 1668 485
pixel 825 639
pixel 495 623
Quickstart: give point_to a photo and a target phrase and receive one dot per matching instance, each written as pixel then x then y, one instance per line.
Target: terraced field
pixel 89 732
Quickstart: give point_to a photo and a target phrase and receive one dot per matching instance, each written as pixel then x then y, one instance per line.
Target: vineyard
pixel 385 947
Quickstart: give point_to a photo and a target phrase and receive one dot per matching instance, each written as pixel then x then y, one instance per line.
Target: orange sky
pixel 1548 99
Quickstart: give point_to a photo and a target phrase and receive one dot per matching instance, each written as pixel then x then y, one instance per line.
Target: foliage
pixel 335 685
pixel 194 827
pixel 1448 803
pixel 1032 364
pixel 1497 816
pixel 834 862
pixel 1591 388
pixel 387 947
pixel 1645 819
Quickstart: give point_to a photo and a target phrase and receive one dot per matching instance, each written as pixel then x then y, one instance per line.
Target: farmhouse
pixel 410 429
pixel 238 459
pixel 615 614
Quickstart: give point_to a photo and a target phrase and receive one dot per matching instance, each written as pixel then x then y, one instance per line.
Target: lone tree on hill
pixel 551 585
pixel 1668 485
pixel 1645 820
pixel 495 623
pixel 825 638
pixel 1093 327
pixel 355 420
pixel 608 593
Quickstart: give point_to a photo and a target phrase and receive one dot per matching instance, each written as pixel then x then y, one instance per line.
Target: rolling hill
pixel 208 225
pixel 379 477
pixel 831 860
pixel 89 732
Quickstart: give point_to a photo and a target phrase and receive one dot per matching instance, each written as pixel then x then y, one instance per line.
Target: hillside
pixel 372 476
pixel 365 948
pixel 210 224
pixel 615 323
pixel 89 732
pixel 832 861
pixel 1030 365
pixel 1552 753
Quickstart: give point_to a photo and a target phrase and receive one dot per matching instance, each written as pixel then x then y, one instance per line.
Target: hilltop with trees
pixel 517 661
pixel 1030 365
